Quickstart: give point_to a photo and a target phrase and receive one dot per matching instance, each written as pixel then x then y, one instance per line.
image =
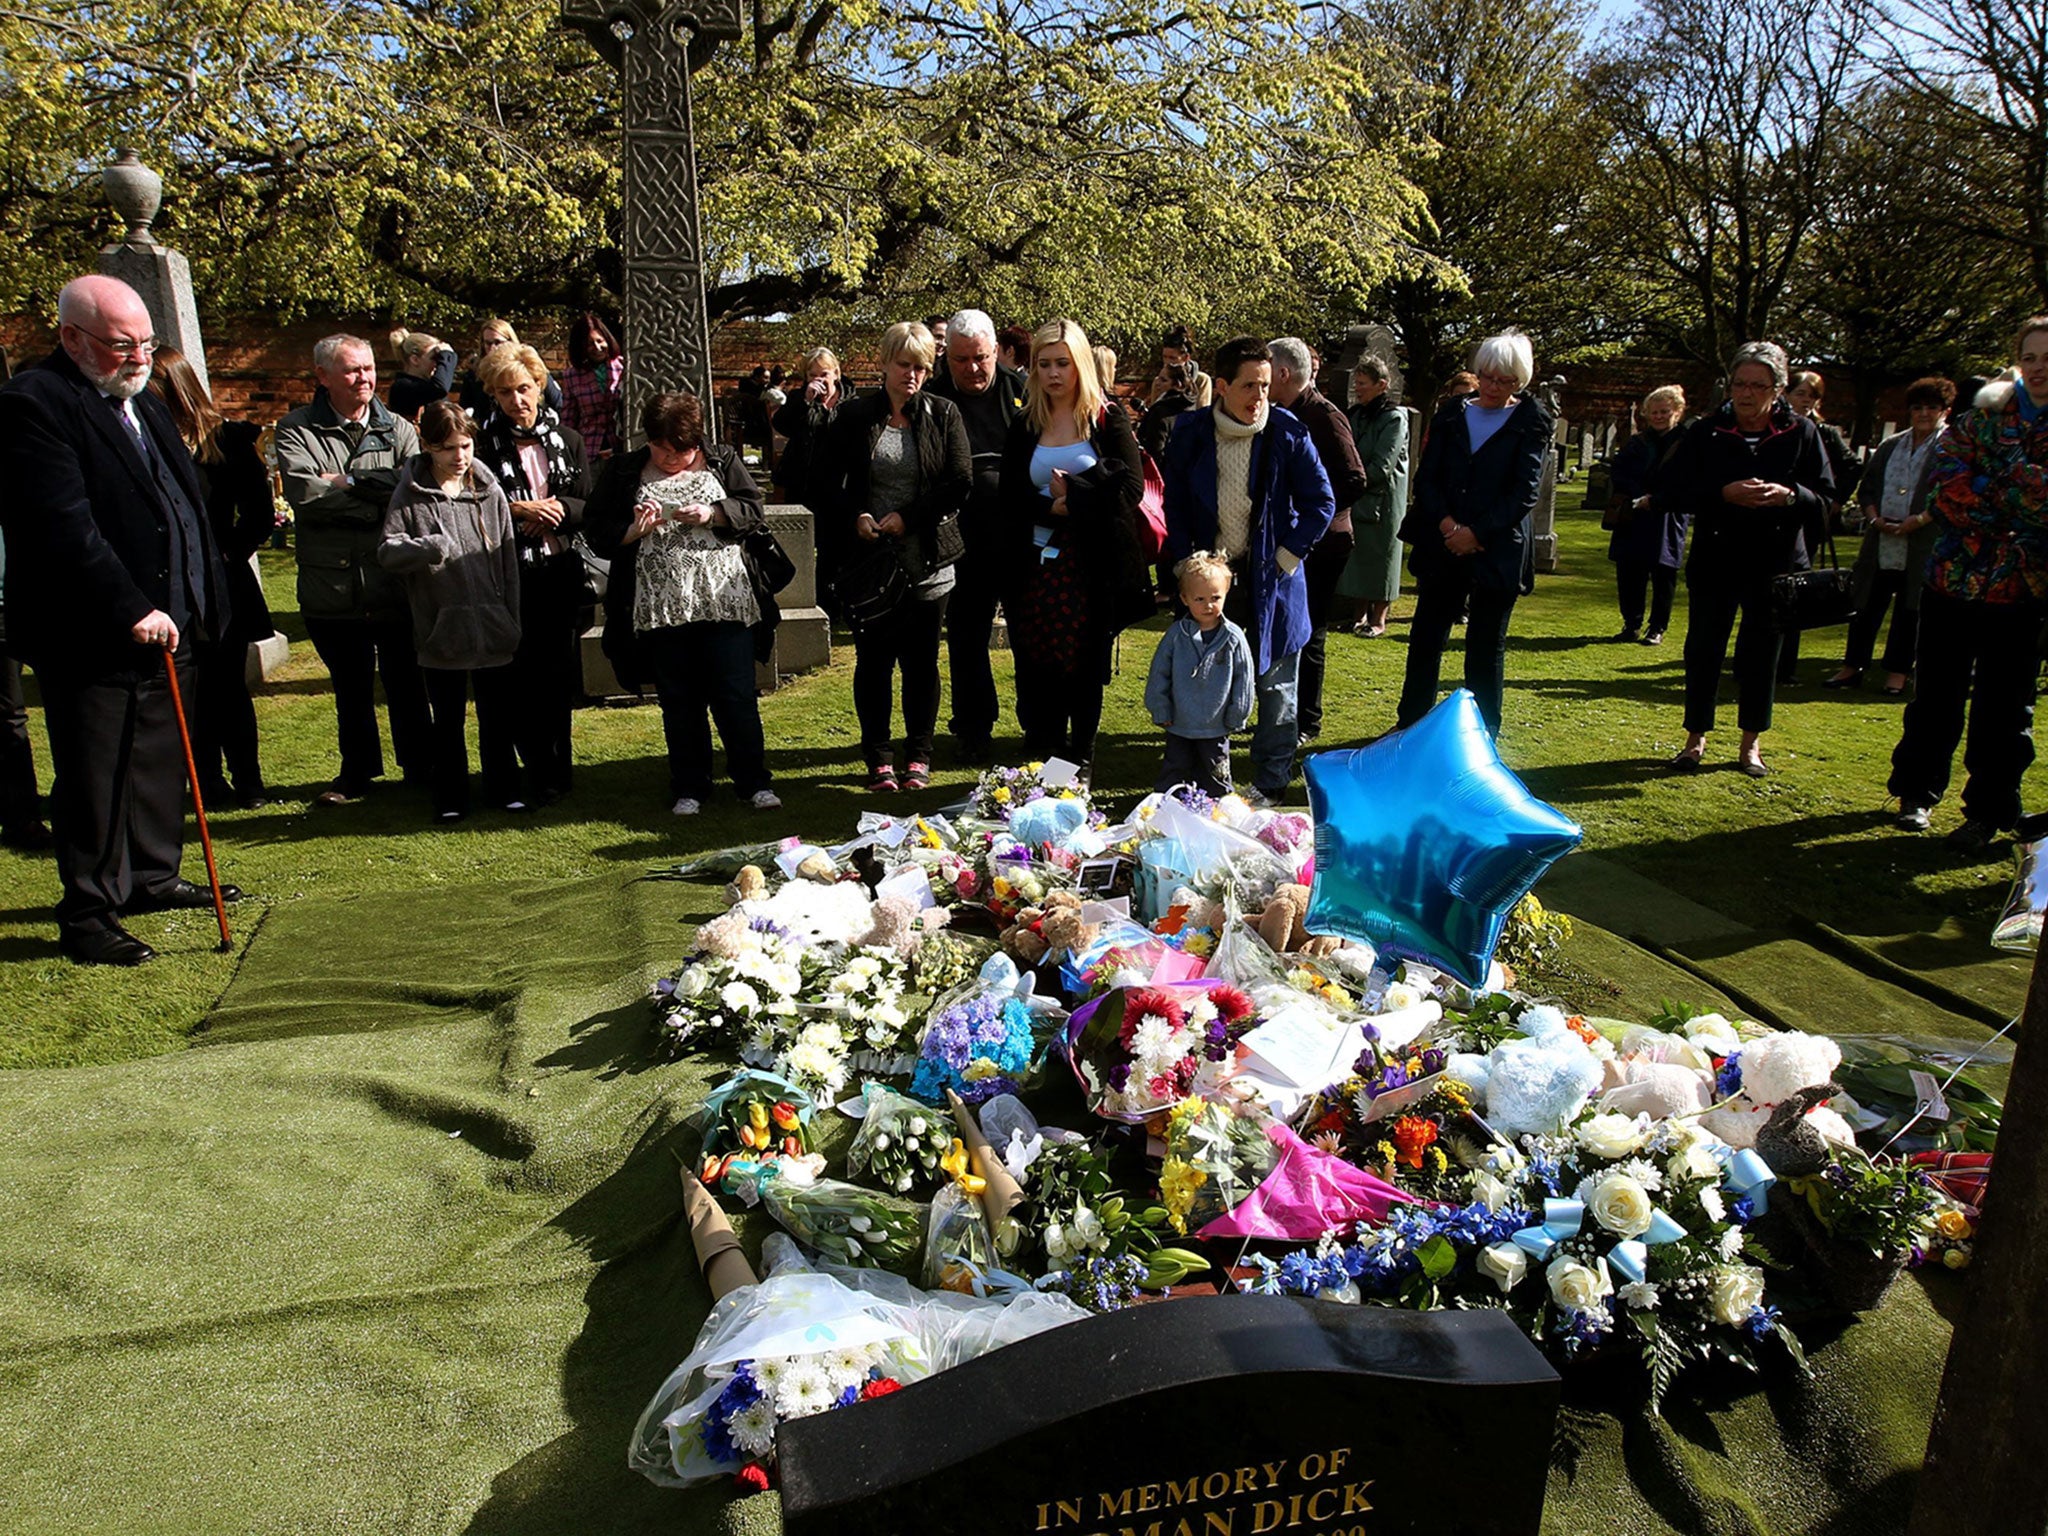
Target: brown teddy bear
pixel 748 885
pixel 1281 925
pixel 1052 928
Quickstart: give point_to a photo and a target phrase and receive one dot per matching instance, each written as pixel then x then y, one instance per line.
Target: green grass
pixel 1589 724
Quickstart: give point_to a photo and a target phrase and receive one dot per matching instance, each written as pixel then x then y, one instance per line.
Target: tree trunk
pixel 1986 1472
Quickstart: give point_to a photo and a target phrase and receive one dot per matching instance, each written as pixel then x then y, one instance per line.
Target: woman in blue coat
pixel 1469 527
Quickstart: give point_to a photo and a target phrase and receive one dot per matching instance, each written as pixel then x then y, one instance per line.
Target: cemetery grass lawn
pixel 1589 723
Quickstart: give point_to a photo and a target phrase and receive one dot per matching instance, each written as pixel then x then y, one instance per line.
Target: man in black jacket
pixel 110 562
pixel 990 397
pixel 1294 386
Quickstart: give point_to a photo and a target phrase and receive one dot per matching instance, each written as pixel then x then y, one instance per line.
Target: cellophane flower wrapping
pixel 848 1223
pixel 959 1252
pixel 809 1339
pixel 900 1142
pixel 1304 1194
pixel 1217 1151
pixel 982 1040
pixel 1139 1050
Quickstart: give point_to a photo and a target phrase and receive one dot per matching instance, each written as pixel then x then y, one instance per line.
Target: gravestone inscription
pixel 1217 1416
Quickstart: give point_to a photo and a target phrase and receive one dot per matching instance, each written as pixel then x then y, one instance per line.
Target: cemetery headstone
pixel 161 275
pixel 1217 1416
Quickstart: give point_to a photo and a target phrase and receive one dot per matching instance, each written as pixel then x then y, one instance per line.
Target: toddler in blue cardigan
pixel 1200 687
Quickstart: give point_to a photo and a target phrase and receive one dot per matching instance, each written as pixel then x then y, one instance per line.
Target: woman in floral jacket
pixel 1980 617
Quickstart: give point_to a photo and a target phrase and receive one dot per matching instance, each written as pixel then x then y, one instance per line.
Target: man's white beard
pixel 124 383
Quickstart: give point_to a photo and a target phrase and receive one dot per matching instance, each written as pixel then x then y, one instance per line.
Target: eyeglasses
pixel 142 348
pixel 1499 380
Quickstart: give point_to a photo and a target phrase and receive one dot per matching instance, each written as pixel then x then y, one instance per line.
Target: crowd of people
pixel 452 538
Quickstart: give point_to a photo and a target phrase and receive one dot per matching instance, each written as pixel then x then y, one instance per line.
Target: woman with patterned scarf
pixel 541 465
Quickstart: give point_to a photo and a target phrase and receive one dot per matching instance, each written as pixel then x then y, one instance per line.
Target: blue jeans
pixel 1276 735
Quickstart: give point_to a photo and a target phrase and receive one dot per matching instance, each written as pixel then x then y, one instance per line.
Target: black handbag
pixel 1816 598
pixel 873 583
pixel 767 561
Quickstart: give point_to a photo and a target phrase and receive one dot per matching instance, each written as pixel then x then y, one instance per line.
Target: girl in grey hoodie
pixel 448 537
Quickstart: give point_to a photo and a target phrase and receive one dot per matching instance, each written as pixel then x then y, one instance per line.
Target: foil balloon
pixel 1425 841
pixel 2019 925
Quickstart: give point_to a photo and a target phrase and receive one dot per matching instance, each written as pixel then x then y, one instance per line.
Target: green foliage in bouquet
pixel 1874 1203
pixel 1080 1219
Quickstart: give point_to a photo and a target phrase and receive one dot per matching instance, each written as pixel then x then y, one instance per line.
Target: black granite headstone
pixel 1221 1416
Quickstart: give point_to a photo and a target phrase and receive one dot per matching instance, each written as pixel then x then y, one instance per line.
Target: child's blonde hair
pixel 1203 562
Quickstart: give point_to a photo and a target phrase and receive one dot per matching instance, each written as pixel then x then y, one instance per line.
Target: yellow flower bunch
pixel 1179 1181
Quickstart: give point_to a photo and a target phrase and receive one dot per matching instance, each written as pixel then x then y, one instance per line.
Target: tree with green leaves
pixel 1127 164
pixel 1509 229
pixel 1725 119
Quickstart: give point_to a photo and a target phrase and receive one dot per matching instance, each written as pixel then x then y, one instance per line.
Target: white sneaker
pixel 686 807
pixel 765 800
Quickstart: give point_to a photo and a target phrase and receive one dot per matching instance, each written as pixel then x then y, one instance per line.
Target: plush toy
pixel 895 927
pixel 1795 1140
pixel 818 867
pixel 1771 1070
pixel 1052 928
pixel 748 885
pixel 1539 1084
pixel 1281 925
pixel 1662 1090
pixel 868 865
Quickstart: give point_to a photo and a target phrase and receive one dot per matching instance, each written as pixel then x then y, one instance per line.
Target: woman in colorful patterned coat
pixel 1981 614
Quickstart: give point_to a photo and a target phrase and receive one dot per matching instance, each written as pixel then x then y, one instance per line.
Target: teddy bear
pixel 1281 925
pixel 895 927
pixel 1053 927
pixel 748 885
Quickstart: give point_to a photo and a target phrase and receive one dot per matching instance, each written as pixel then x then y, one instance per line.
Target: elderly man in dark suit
pixel 110 562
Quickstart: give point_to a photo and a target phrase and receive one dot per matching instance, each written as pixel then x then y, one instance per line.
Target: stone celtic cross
pixel 655 46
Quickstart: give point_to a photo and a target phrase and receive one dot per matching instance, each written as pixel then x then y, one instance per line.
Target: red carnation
pixel 1230 1003
pixel 1143 1002
pixel 753 1477
pixel 880 1387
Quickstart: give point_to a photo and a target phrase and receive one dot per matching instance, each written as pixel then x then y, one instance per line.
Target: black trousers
pixel 1325 563
pixel 700 668
pixel 1630 580
pixel 970 615
pixel 548 670
pixel 117 806
pixel 1981 659
pixel 356 652
pixel 1887 588
pixel 20 806
pixel 226 727
pixel 1439 599
pixel 1203 761
pixel 1061 712
pixel 1710 620
pixel 906 638
pixel 497 710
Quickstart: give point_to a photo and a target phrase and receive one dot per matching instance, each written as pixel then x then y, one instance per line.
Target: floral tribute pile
pixel 1082 1062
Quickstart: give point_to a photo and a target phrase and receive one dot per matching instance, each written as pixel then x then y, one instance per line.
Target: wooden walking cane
pixel 220 907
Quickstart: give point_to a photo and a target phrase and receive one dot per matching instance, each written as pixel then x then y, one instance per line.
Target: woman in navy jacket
pixel 1755 477
pixel 1469 525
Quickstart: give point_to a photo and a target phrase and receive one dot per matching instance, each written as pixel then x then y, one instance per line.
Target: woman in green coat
pixel 1372 576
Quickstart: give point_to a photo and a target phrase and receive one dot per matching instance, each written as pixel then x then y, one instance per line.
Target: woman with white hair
pixel 1469 528
pixel 1753 475
pixel 901 472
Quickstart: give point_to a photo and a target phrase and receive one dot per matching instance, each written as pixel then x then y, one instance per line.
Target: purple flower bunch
pixel 987 1029
pixel 1100 1284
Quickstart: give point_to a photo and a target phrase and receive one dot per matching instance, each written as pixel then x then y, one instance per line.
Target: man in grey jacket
pixel 341 458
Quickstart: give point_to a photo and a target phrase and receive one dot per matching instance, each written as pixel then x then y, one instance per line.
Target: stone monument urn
pixel 136 192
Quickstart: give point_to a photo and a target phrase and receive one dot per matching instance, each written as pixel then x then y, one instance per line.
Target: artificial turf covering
pixel 393 1246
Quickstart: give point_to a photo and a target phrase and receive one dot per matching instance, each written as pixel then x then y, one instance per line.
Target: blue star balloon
pixel 1425 841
